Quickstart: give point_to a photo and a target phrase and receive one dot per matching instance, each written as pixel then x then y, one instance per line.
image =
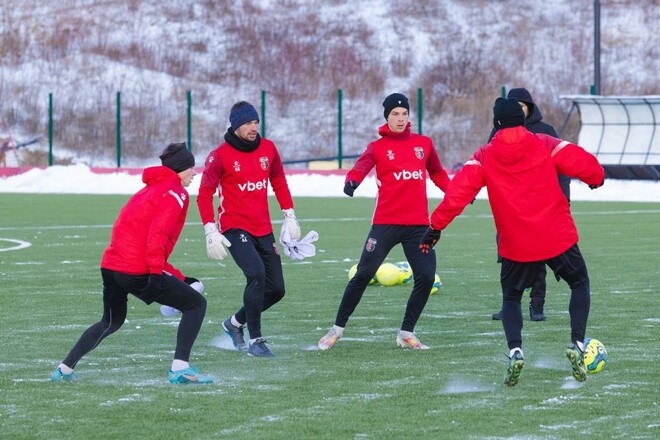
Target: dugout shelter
pixel 623 132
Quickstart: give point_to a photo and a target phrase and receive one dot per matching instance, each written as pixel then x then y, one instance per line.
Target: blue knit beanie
pixel 242 112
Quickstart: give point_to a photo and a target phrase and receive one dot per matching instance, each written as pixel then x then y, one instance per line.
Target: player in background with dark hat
pixel 135 262
pixel 532 218
pixel 239 170
pixel 403 161
pixel 534 123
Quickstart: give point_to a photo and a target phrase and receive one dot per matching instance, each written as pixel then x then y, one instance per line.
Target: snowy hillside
pixel 460 53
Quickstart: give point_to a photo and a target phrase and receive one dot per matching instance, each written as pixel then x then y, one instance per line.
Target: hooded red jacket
pixel 519 170
pixel 148 226
pixel 402 161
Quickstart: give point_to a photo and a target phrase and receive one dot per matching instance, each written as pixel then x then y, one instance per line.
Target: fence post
pixel 189 117
pixel 50 129
pixel 118 129
pixel 263 113
pixel 339 145
pixel 419 109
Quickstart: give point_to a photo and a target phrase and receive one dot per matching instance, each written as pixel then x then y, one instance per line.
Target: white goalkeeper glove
pixel 215 242
pixel 290 225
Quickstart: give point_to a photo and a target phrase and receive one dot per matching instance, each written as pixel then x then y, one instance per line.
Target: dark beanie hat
pixel 507 113
pixel 242 112
pixel 393 101
pixel 177 157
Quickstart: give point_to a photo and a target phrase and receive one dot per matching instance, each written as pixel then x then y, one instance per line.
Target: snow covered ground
pixel 79 179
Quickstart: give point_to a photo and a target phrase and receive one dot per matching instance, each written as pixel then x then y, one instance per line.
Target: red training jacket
pixel 402 161
pixel 148 226
pixel 519 170
pixel 241 179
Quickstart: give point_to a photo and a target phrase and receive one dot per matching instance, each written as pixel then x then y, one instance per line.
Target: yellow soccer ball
pixel 406 273
pixel 353 270
pixel 595 355
pixel 388 274
pixel 436 285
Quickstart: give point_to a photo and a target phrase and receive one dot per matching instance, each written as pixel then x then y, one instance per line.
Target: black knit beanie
pixel 393 101
pixel 507 113
pixel 177 157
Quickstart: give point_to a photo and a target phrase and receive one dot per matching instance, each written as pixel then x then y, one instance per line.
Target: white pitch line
pixel 20 244
pixel 324 220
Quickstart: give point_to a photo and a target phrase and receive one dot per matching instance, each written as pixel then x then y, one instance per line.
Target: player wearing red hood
pixel 532 218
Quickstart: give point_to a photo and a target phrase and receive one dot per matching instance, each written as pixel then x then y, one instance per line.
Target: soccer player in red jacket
pixel 402 161
pixel 240 170
pixel 135 262
pixel 532 218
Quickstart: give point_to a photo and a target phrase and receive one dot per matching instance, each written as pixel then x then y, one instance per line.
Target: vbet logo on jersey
pixel 408 175
pixel 253 186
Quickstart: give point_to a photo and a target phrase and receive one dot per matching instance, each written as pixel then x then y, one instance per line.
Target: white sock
pixel 252 341
pixel 580 345
pixel 65 369
pixel 513 350
pixel 405 334
pixel 235 322
pixel 338 330
pixel 178 365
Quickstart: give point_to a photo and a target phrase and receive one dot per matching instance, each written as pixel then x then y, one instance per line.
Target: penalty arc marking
pixel 19 244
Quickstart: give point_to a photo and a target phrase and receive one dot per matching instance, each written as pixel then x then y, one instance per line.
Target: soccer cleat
pixel 259 349
pixel 410 342
pixel 188 375
pixel 58 376
pixel 536 313
pixel 516 364
pixel 235 334
pixel 576 358
pixel 497 316
pixel 329 340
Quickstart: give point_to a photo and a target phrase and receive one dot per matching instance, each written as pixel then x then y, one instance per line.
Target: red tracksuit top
pixel 519 170
pixel 148 226
pixel 241 179
pixel 402 161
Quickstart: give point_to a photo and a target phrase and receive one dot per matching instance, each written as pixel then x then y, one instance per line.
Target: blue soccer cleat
pixel 235 334
pixel 58 376
pixel 259 349
pixel 188 375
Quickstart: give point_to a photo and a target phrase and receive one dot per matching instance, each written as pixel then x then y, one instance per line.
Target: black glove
pixel 429 239
pixel 597 186
pixel 154 284
pixel 349 187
